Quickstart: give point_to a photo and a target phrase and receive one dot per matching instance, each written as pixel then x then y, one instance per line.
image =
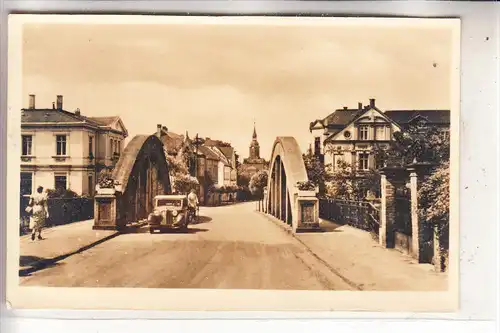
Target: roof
pixel 208 153
pixel 104 121
pixel 228 152
pixel 63 116
pixel 341 117
pixel 405 116
pixel 53 116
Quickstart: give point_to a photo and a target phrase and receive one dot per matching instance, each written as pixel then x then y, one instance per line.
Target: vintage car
pixel 170 212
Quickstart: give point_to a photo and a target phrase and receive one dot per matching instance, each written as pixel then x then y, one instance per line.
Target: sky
pixel 216 80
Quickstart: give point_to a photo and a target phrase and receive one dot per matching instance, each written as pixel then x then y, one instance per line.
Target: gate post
pixel 417 172
pixel 390 179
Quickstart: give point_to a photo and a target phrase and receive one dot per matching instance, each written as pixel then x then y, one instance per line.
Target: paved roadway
pixel 232 247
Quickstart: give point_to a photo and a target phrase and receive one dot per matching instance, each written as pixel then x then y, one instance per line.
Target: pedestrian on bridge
pixel 38 208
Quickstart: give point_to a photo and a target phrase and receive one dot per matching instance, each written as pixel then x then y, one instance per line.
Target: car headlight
pixel 174 213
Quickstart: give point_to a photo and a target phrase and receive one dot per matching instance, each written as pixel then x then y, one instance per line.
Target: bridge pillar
pixel 308 211
pixel 106 210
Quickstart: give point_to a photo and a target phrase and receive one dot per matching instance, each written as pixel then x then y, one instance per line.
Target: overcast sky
pixel 216 79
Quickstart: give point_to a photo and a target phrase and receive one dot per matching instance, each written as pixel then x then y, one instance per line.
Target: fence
pixel 61 211
pixel 359 214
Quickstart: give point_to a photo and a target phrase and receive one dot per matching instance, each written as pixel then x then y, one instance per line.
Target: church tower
pixel 254 146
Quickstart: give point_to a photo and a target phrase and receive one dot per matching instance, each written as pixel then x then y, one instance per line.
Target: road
pixel 232 247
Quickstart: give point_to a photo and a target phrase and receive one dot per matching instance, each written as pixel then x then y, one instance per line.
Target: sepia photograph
pixel 305 157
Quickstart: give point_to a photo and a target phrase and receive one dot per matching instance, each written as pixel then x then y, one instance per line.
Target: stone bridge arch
pixel 140 174
pixel 284 200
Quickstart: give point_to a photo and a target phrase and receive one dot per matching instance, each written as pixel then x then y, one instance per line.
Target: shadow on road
pixel 202 219
pixel 33 264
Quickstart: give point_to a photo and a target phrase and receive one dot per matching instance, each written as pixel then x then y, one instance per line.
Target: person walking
pixel 39 212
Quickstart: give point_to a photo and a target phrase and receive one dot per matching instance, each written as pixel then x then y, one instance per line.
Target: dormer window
pixel 363 132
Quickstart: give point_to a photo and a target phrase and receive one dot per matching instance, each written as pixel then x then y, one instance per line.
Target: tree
pixel 257 184
pixel 316 171
pixel 418 142
pixel 345 184
pixel 184 183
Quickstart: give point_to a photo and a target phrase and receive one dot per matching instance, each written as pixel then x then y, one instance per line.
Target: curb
pixel 288 230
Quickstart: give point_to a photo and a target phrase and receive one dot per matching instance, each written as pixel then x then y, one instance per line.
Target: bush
pixel 306 186
pixel 61 194
pixel 105 179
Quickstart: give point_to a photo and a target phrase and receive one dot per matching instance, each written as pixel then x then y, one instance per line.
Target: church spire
pixel 254 136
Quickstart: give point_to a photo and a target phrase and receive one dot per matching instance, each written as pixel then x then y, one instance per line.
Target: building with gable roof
pixel 66 150
pixel 351 134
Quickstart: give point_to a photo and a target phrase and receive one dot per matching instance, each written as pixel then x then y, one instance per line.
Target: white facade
pixel 62 149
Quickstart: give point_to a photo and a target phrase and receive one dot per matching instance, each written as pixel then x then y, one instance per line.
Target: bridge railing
pixel 360 214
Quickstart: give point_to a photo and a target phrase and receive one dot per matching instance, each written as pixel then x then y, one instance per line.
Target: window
pixel 90 180
pixel 27 145
pixel 317 145
pixel 91 146
pixel 61 145
pixel 363 161
pixel 60 182
pixel 380 133
pixel 26 183
pixel 363 133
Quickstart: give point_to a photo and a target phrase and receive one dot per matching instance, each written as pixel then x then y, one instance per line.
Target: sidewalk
pixel 59 242
pixel 356 256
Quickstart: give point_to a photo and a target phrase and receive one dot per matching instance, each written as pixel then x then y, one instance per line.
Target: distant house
pixel 66 150
pixel 212 162
pixel 351 134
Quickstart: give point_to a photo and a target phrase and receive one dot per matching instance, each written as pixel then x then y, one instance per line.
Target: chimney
pixel 345 107
pixel 59 102
pixel 32 101
pixel 77 112
pixel 360 106
pixel 158 130
pixel 372 102
pixel 53 106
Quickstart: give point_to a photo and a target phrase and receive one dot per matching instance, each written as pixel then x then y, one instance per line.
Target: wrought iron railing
pixel 360 214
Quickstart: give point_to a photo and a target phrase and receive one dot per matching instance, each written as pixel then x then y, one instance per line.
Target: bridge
pixel 142 173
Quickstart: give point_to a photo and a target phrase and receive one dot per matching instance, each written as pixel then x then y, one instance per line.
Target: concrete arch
pixel 140 174
pixel 284 200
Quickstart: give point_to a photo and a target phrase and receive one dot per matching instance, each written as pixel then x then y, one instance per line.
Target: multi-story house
pixel 352 135
pixel 66 150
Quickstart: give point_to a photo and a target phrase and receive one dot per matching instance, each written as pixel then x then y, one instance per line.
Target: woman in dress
pixel 40 212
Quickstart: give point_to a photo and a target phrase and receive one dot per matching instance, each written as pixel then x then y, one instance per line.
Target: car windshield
pixel 169 202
